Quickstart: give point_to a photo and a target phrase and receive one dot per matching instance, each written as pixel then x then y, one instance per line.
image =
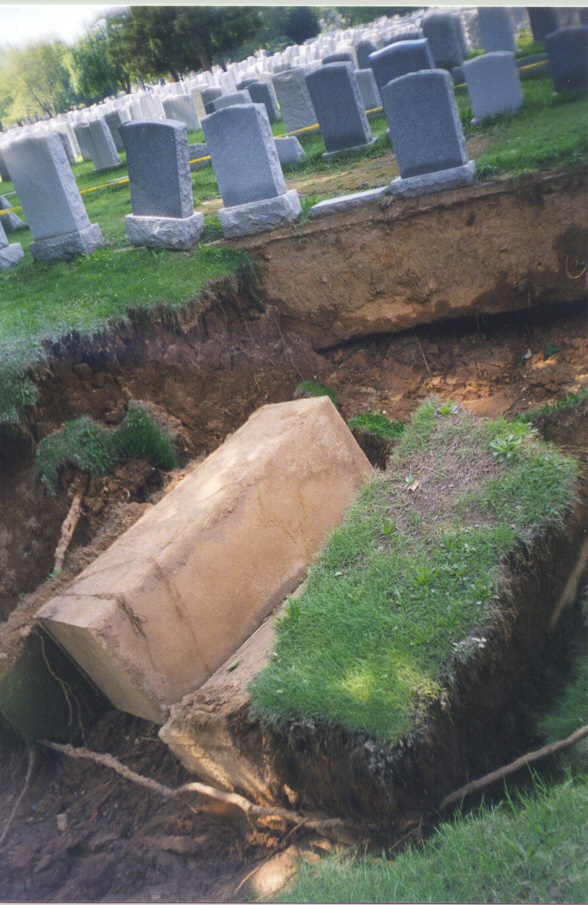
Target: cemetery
pixel 293 451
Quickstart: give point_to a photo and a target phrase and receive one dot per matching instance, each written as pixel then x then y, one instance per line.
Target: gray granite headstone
pixel 9 254
pixel 50 198
pixel 544 20
pixel 368 88
pixel 363 50
pixel 199 156
pixel 444 32
pixel 114 120
pixel 228 100
pixel 343 56
pixel 567 49
pixel 399 59
pixel 82 134
pixel 104 153
pixel 294 99
pixel 244 83
pixel 181 108
pixel 338 104
pixel 289 149
pixel 4 174
pixel 496 29
pixel 209 95
pixel 424 122
pixel 404 34
pixel 10 221
pixel 161 188
pixel 243 152
pixel 262 92
pixel 493 84
pixel 159 168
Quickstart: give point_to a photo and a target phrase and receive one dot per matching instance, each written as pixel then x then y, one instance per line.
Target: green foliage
pixel 301 23
pixel 95 75
pixel 35 81
pixel 309 388
pixel 362 15
pixel 400 591
pixel 530 849
pixel 93 450
pixel 376 423
pixel 570 710
pixel 570 400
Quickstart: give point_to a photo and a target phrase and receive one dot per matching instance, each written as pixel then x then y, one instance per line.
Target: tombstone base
pixel 356 149
pixel 62 248
pixel 10 255
pixel 347 202
pixel 259 216
pixel 178 233
pixel 428 183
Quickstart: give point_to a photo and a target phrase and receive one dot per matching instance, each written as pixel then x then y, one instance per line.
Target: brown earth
pixel 210 371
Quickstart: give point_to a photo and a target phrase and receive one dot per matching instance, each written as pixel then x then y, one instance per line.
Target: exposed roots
pixel 71 520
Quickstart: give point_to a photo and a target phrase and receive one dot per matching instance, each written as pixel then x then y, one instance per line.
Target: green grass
pixel 407 583
pixel 376 423
pixel 532 848
pixel 308 388
pixel 570 400
pixel 93 450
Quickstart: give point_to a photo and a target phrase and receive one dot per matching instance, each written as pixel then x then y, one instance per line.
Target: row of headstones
pixel 424 127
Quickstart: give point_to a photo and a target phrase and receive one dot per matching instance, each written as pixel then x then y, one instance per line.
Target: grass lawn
pixel 408 582
pixel 40 302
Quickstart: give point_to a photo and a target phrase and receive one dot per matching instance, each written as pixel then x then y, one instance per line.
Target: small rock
pixel 62 822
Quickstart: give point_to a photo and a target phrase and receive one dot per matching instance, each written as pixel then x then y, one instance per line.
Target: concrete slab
pixel 153 617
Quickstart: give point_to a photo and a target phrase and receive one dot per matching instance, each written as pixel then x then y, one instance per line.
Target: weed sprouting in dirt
pixel 93 450
pixel 308 388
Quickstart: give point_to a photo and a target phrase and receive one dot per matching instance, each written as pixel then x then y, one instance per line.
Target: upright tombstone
pixel 404 34
pixel 209 95
pixel 104 153
pixel 399 59
pixel 496 29
pixel 294 99
pixel 262 92
pixel 114 120
pixel 426 133
pixel 228 100
pixel 161 188
pixel 493 84
pixel 567 49
pixel 248 172
pixel 363 51
pixel 10 255
pixel 82 134
pixel 338 104
pixel 544 20
pixel 445 35
pixel 10 221
pixel 341 56
pixel 368 88
pixel 50 199
pixel 181 108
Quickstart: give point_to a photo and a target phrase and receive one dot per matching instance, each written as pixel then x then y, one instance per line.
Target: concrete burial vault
pixel 153 617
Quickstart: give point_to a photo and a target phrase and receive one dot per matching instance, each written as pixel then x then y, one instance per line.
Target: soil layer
pixel 82 833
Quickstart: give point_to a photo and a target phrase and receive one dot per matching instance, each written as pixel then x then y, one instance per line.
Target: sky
pixel 23 23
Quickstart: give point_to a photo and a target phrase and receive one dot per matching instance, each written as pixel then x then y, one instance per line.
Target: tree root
pixel 477 784
pixel 71 520
pixel 212 800
pixel 32 755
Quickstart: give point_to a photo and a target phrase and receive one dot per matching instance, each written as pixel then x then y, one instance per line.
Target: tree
pixel 172 40
pixel 302 23
pixel 94 73
pixel 361 15
pixel 37 80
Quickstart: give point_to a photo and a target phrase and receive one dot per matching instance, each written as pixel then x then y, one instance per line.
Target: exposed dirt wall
pixel 493 247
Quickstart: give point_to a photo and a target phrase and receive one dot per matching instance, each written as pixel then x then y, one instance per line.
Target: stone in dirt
pixel 493 84
pixel 161 188
pixel 339 108
pixel 50 198
pixel 155 615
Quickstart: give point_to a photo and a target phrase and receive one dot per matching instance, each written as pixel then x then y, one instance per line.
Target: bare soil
pixel 82 833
